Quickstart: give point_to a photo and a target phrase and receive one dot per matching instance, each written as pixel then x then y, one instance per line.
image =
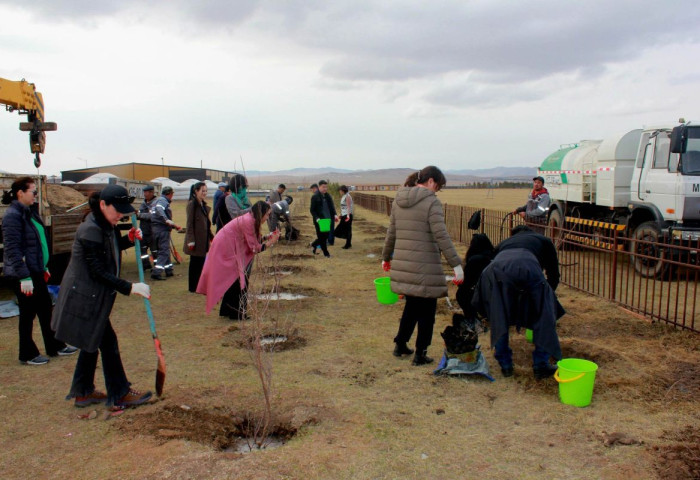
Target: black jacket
pixel 541 247
pixel 317 206
pixel 89 286
pixel 23 255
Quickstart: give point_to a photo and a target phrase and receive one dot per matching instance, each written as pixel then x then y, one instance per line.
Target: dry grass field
pixel 494 199
pixel 343 405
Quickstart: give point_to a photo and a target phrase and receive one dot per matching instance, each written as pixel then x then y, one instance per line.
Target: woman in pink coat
pixel 230 260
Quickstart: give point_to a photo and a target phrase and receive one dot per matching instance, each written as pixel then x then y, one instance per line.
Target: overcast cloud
pixel 363 83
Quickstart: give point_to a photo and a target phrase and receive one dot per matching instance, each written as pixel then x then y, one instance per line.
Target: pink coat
pixel 231 251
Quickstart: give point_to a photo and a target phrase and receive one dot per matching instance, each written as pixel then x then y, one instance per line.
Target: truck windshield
pixel 691 158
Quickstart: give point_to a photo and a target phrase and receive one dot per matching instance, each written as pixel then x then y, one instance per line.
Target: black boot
pixel 402 349
pixel 544 371
pixel 421 358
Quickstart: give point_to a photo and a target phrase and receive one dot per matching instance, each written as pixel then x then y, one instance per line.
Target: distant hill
pixel 300 172
pixel 497 172
pixel 387 176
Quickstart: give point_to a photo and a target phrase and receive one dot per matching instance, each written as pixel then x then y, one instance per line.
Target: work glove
pixel 347 218
pixel 190 245
pixel 47 275
pixel 459 275
pixel 135 233
pixel 172 224
pixel 386 265
pixel 141 289
pixel 26 286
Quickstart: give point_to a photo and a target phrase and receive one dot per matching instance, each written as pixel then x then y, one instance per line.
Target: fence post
pixel 461 222
pixel 483 221
pixel 613 273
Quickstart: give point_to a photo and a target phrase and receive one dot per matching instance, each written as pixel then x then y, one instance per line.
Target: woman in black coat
pixel 198 235
pixel 86 297
pixel 26 257
pixel 479 255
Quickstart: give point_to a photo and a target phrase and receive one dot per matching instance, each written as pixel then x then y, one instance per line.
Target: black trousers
pixel 115 378
pixel 235 300
pixel 421 311
pixel 38 304
pixel 196 265
pixel 321 240
pixel 344 230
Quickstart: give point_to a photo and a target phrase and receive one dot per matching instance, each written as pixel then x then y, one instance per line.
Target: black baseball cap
pixel 117 196
pixel 538 178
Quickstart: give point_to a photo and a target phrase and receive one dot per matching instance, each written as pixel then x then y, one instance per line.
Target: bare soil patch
pixel 220 428
pixel 285 269
pixel 678 458
pixel 281 338
pixel 374 229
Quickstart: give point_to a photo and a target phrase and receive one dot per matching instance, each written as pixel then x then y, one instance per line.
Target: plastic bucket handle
pixel 568 380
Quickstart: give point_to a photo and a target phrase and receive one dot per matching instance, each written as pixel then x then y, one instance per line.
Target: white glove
pixel 170 222
pixel 459 275
pixel 27 287
pixel 141 289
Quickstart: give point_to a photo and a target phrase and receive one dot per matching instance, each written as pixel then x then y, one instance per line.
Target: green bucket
pixel 324 224
pixel 576 378
pixel 384 293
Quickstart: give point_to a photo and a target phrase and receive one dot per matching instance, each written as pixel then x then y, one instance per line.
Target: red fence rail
pixel 599 261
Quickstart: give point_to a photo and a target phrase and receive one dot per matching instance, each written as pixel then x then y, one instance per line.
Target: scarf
pixel 242 198
pixel 536 192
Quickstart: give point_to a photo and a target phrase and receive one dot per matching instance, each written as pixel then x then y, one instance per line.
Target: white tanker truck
pixel 645 182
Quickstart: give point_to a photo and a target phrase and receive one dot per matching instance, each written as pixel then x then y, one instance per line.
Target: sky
pixel 359 84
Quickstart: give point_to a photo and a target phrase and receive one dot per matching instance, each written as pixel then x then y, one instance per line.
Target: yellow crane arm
pixel 21 96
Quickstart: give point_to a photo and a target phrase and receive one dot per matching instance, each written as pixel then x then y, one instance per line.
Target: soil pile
pixel 61 198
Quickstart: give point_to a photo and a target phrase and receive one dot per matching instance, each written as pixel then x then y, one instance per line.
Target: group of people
pixel 323 209
pixel 505 284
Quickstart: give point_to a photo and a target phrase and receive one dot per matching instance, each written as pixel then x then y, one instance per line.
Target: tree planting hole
pixel 280 296
pixel 219 428
pixel 273 339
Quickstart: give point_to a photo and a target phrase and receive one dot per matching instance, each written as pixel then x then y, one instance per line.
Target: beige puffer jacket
pixel 416 236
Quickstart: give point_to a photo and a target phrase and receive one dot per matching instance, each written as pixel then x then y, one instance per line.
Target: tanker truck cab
pixel 685 146
pixel 666 182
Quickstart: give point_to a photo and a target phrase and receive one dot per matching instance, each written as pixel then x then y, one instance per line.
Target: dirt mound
pixel 61 198
pixel 680 457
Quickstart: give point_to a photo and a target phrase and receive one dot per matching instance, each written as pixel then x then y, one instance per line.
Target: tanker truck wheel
pixel 554 228
pixel 649 258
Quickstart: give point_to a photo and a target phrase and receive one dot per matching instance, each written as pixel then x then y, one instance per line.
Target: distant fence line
pixel 596 261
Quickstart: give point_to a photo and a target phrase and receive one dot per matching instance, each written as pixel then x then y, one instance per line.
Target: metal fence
pixel 656 280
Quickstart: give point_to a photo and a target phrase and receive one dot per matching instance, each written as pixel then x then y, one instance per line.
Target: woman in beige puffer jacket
pixel 414 240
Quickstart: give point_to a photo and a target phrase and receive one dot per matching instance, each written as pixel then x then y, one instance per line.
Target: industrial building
pixel 147 171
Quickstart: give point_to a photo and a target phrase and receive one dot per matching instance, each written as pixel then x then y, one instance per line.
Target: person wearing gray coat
pixel 416 237
pixel 86 297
